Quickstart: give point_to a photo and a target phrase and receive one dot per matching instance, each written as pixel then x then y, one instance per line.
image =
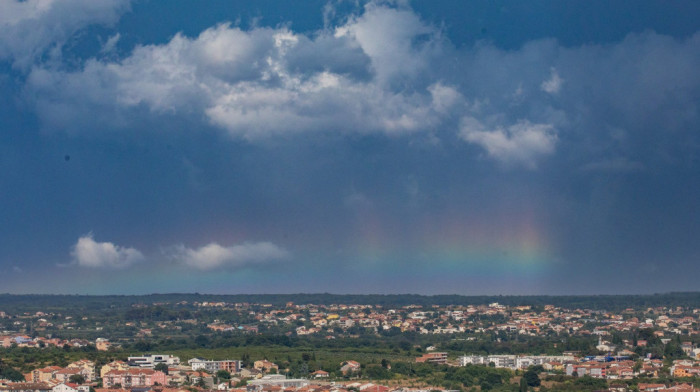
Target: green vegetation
pixel 82 303
pixel 223 375
pixel 582 384
pixel 531 377
pixel 161 367
pixel 257 327
pixel 9 373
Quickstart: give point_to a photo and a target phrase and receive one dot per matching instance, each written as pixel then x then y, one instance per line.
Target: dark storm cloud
pixel 370 141
pixel 519 105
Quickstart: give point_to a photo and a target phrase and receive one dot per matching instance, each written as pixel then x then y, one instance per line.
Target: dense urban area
pixel 330 343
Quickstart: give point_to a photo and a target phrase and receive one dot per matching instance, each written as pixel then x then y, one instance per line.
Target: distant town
pixel 168 346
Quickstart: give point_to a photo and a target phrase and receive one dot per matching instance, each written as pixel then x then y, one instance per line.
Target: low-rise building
pixel 276 380
pixel 350 367
pixel 515 361
pixel 45 374
pixel 150 361
pixel 134 378
pixel 320 374
pixel 265 366
pixel 70 387
pixel 114 365
pixel 231 366
pixel 87 368
pixel 102 344
pixel 439 358
pixel 26 387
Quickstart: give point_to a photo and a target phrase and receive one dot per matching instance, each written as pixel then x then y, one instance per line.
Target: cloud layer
pixel 31 29
pixel 521 143
pixel 263 81
pixel 92 254
pixel 214 256
pixel 386 71
pixel 381 138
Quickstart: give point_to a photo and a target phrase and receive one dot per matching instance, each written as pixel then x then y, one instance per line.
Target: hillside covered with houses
pixel 258 346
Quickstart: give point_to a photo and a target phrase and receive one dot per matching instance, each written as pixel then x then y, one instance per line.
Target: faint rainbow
pixel 449 243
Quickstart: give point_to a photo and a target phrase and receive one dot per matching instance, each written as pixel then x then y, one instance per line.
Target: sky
pixel 430 147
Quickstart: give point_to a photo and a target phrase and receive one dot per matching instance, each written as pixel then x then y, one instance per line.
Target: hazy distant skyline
pixel 486 147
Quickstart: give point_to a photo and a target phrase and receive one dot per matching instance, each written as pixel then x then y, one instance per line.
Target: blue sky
pixel 486 147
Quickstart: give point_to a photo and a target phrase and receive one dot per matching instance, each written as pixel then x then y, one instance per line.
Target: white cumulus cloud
pixel 110 44
pixel 263 81
pixel 553 84
pixel 213 255
pixel 92 254
pixel 30 28
pixel 522 143
pixel 385 70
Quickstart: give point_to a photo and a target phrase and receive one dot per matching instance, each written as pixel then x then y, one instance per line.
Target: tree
pixel 143 345
pixel 246 362
pixel 201 340
pixel 163 367
pixel 523 385
pixel 10 373
pixel 637 366
pixel 77 379
pixel 223 374
pixel 589 383
pixel 376 372
pixel 673 350
pixel 531 378
pixel 404 344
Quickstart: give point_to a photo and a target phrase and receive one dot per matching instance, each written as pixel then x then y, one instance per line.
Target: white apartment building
pixel 276 380
pixel 149 361
pixel 231 366
pixel 512 361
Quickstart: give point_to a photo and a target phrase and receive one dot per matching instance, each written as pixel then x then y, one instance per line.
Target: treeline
pixel 448 377
pixel 409 343
pixel 7 372
pixel 29 303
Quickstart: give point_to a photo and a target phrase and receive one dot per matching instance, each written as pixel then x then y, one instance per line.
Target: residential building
pixel 64 375
pixel 102 344
pixel 514 361
pixel 149 361
pixel 70 387
pixel 114 365
pixel 26 387
pixel 265 366
pixel 644 387
pixel 350 367
pixel 276 380
pixel 439 358
pixel 133 378
pixel 320 374
pixel 231 366
pixel 87 368
pixel 250 373
pixel 45 374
